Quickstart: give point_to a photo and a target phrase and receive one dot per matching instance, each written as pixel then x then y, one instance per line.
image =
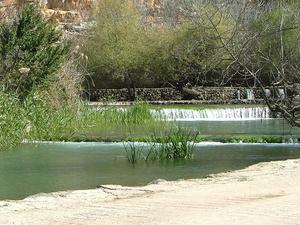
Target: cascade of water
pixel 226 114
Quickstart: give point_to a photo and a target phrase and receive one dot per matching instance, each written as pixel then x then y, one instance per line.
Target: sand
pixel 266 193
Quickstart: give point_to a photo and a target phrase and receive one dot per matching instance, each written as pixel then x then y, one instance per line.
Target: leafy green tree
pixel 118 47
pixel 31 52
pixel 195 50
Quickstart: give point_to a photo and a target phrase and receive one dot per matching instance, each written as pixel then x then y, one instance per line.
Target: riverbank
pixel 266 193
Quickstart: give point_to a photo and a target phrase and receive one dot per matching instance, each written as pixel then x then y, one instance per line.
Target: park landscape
pixel 149 112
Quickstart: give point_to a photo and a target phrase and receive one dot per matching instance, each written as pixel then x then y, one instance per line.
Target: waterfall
pixel 226 114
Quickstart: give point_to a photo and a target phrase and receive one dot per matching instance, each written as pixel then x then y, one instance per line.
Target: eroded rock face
pixel 69 5
pixel 62 16
pixel 66 11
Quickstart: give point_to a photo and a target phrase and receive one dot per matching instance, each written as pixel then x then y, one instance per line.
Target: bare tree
pixel 275 68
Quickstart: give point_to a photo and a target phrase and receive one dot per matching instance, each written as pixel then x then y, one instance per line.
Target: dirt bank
pixel 267 193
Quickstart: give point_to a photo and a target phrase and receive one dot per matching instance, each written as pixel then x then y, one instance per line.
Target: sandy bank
pixel 266 193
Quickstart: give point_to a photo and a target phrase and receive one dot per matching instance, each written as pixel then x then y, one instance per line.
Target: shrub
pixel 125 49
pixel 31 52
pixel 118 48
pixel 195 52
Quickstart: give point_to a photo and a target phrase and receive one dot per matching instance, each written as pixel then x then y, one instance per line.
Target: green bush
pixel 31 52
pixel 118 49
pixel 125 50
pixel 194 51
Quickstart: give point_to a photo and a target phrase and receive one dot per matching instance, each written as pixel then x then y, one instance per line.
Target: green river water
pixel 36 168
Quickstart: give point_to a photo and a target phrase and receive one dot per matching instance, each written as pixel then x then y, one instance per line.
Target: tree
pixel 118 48
pixel 31 52
pixel 267 51
pixel 196 55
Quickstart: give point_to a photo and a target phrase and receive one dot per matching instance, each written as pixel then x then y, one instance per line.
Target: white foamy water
pixel 226 114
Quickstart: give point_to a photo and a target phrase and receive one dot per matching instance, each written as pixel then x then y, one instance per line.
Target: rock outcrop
pixel 65 11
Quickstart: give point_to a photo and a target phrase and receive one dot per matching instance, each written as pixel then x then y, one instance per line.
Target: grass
pixel 139 114
pixel 36 119
pixel 65 123
pixel 12 123
pixel 133 152
pixel 178 144
pixel 231 139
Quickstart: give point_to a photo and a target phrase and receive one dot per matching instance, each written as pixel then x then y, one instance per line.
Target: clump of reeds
pixel 178 144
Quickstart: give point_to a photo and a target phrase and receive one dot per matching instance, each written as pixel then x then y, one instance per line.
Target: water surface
pixel 35 168
pixel 250 127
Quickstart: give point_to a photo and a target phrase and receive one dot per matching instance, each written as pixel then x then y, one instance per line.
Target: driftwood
pixel 190 92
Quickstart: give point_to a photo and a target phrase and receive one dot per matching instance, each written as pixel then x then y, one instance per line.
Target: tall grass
pixel 12 122
pixel 37 119
pixel 61 124
pixel 48 123
pixel 178 144
pixel 133 152
pixel 135 115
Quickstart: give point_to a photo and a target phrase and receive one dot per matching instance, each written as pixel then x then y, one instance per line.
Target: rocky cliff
pixel 58 10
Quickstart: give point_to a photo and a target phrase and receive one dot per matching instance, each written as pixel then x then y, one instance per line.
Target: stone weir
pixel 196 95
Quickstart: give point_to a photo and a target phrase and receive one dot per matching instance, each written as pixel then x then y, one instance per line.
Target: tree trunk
pixel 130 88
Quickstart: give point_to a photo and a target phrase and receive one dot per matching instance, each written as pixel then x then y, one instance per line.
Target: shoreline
pixel 265 193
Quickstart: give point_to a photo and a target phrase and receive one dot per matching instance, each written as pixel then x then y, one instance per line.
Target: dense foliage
pixel 31 52
pixel 127 52
pixel 208 45
pixel 200 45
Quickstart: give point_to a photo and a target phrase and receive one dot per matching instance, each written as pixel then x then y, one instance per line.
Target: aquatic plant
pixel 133 152
pixel 178 144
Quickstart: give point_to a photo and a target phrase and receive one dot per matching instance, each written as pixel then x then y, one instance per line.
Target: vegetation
pixel 269 139
pixel 31 52
pixel 120 47
pixel 139 114
pixel 128 53
pixel 202 44
pixel 178 144
pixel 198 43
pixel 12 123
